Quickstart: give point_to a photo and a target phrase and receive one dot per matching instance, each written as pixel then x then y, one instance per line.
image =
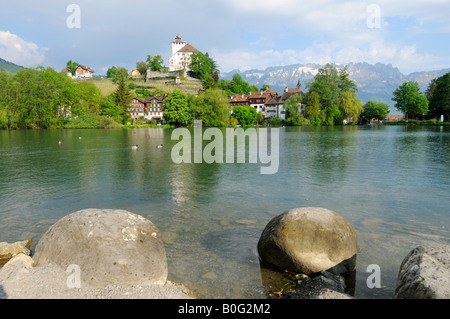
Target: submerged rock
pixel 425 274
pixel 110 247
pixel 309 240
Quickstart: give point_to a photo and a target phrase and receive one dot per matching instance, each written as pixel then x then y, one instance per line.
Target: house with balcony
pixel 149 108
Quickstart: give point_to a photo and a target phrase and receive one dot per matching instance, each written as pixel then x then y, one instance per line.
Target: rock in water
pixel 425 274
pixel 309 240
pixel 111 247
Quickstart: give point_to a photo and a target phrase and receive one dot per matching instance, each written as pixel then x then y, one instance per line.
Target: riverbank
pixel 50 282
pixel 432 122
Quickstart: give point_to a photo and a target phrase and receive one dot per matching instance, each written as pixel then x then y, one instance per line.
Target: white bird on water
pixel 134 147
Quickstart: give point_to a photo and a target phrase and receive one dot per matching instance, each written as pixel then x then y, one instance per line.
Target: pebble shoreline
pixel 50 282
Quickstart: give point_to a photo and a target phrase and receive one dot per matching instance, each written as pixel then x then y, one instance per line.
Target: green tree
pixel 430 90
pixel 238 86
pixel 71 66
pixel 9 94
pixel 440 98
pixel 212 108
pixel 409 100
pixel 176 109
pixel 142 68
pixel 374 110
pixel 330 84
pixel 246 115
pixel 90 98
pixel 110 108
pixel 122 97
pixel 208 83
pixel 265 87
pixel 332 113
pixel 312 109
pixel 350 107
pixel 293 107
pixel 155 63
pixel 112 73
pixel 43 98
pixel 202 66
pixel 253 89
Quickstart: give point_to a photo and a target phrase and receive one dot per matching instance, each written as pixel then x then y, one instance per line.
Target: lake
pixel 391 183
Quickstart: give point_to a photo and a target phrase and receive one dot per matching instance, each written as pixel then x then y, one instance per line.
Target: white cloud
pixel 406 57
pixel 338 31
pixel 15 49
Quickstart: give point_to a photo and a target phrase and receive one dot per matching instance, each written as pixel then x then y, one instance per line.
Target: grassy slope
pixel 9 67
pixel 107 86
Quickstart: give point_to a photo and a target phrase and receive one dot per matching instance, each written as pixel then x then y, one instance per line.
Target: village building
pixel 154 109
pixel 287 93
pixel 181 55
pixel 273 105
pixel 239 100
pixel 268 102
pixel 149 108
pixel 135 74
pixel 83 72
pixel 257 100
pixel 136 108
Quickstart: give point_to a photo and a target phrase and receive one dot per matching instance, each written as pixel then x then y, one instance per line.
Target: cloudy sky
pixel 412 35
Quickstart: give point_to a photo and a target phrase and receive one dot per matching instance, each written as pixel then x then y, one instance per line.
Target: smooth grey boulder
pixel 110 247
pixel 425 274
pixel 309 240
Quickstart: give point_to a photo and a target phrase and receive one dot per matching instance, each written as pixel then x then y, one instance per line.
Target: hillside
pixel 375 82
pixel 9 66
pixel 187 86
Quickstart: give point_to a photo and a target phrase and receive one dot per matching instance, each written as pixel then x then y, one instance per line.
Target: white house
pixel 181 55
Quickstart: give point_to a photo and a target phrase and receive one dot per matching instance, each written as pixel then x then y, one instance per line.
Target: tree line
pixel 42 98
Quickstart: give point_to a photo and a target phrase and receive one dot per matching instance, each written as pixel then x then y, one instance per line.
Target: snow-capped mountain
pixel 375 82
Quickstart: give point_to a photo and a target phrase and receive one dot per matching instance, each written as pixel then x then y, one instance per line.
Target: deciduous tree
pixel 212 108
pixel 440 98
pixel 71 66
pixel 176 109
pixel 409 100
pixel 155 63
pixel 375 110
pixel 246 115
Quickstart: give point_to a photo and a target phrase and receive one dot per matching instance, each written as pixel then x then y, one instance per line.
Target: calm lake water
pixel 391 183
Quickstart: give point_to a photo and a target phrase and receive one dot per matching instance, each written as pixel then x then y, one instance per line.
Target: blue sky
pixel 412 35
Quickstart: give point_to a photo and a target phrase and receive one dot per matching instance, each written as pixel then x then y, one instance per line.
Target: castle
pixel 181 55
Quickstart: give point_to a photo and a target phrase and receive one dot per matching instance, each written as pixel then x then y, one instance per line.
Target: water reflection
pixel 390 183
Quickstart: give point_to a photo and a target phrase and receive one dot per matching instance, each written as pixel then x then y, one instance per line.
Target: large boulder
pixel 425 274
pixel 110 247
pixel 8 251
pixel 309 240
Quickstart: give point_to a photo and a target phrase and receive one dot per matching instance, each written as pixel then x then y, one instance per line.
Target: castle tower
pixel 177 44
pixel 299 85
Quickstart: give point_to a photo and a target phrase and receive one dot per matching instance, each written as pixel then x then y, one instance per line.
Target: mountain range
pixel 9 66
pixel 375 82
